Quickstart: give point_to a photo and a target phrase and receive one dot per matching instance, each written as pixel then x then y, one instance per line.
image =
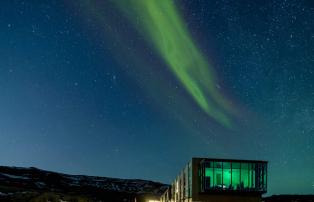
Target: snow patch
pixel 15 176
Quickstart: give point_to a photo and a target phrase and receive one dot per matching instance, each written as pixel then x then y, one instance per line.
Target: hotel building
pixel 219 180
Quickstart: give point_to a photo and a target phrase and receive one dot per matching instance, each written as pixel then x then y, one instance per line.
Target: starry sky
pixel 134 91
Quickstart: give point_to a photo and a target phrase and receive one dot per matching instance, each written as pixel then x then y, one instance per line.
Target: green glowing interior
pixel 235 176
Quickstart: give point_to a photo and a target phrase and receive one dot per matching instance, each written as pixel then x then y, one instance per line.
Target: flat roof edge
pixel 227 159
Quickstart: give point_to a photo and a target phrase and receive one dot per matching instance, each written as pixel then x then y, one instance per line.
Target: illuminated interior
pixel 233 175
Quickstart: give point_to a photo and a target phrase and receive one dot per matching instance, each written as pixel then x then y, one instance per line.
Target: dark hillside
pixel 32 184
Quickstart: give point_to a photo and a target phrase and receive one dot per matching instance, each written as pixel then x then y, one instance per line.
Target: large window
pixel 218 175
pixel 209 175
pixel 244 175
pixel 233 175
pixel 252 176
pixel 261 176
pixel 226 175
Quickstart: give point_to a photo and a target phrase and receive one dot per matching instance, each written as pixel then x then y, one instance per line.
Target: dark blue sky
pixel 83 92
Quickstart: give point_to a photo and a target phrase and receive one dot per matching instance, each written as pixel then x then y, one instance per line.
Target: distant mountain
pixel 33 184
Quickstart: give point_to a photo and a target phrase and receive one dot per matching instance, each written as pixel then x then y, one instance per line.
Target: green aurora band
pixel 159 21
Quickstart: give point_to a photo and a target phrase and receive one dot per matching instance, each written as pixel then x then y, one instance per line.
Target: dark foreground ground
pixel 36 185
pixel 289 198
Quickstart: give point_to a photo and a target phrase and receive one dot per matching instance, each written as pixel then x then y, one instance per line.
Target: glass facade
pixel 235 175
pixel 244 176
pixel 182 187
pixel 227 175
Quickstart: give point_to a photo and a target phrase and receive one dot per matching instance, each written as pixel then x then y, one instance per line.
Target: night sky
pixel 117 89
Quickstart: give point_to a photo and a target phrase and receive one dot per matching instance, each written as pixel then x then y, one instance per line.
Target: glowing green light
pixel 160 22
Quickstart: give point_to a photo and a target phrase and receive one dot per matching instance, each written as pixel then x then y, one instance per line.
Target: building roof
pixel 233 160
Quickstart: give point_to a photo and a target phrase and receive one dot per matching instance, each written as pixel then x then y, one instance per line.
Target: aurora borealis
pixel 161 22
pixel 134 89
